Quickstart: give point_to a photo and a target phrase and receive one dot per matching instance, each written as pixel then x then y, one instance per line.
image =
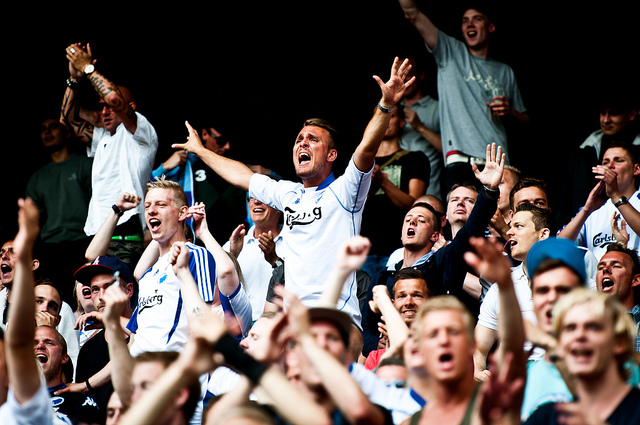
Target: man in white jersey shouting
pixel 323 211
pixel 159 321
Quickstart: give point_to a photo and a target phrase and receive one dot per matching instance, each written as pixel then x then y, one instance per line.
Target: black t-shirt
pixel 93 356
pixel 79 408
pixel 627 412
pixel 381 219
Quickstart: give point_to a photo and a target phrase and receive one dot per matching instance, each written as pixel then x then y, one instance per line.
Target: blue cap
pixel 554 248
pixel 103 265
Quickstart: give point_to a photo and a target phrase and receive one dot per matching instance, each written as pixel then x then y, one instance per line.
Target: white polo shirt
pixel 317 221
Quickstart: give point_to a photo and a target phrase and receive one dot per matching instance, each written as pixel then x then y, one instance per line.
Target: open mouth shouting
pixel 446 361
pixel 581 354
pixel 304 158
pixel 6 270
pixel 154 224
pixel 608 285
pixel 42 357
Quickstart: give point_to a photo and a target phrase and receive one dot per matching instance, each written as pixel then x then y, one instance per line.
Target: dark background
pixel 259 70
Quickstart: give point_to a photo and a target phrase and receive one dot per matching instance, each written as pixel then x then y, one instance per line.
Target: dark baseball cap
pixel 103 265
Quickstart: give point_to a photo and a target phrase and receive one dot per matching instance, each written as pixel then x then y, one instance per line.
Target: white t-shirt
pixel 596 234
pixel 490 307
pixel 37 411
pixel 121 163
pixel 256 271
pixel 317 221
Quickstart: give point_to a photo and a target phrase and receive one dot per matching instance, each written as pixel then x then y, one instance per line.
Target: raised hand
pixel 79 57
pixel 127 201
pixel 353 253
pixel 28 228
pixel 491 174
pixel 198 213
pixel 393 90
pixel 489 261
pixel 236 241
pixel 193 144
pixel 619 232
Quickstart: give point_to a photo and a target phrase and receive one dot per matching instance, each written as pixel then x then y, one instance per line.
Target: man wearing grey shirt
pixel 477 94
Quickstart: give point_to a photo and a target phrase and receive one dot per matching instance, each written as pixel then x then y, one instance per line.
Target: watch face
pixel 88 69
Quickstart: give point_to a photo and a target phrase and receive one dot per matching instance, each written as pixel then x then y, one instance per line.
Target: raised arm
pixel 193 303
pixel 610 178
pixel 351 256
pixel 489 262
pixel 425 27
pixel 100 242
pixel 208 335
pixel 24 377
pixel 594 201
pixel 80 121
pixel 336 379
pixel 119 355
pixel 228 279
pixel 397 330
pixel 392 92
pixel 234 172
pixel 114 98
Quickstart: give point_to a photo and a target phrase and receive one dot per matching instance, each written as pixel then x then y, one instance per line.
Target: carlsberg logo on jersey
pixel 602 240
pixel 149 301
pixel 294 218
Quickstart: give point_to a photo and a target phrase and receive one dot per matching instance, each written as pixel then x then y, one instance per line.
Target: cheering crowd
pixel 430 282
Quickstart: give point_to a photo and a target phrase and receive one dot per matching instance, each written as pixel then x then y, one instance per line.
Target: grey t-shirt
pixel 427 110
pixel 465 84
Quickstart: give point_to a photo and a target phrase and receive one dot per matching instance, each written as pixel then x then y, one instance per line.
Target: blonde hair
pixel 179 197
pixel 601 305
pixel 440 303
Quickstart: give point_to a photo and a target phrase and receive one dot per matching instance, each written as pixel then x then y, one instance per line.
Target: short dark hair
pixel 630 149
pixel 322 123
pixel 635 264
pixel 524 183
pixel 437 215
pixel 468 185
pixel 411 273
pixel 541 217
pixel 632 253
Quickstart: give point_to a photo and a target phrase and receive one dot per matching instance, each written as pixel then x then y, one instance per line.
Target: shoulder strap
pixel 415 418
pixel 397 155
pixel 467 414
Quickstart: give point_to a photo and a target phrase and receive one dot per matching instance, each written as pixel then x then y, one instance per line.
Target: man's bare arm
pixel 114 98
pixel 24 377
pixel 425 27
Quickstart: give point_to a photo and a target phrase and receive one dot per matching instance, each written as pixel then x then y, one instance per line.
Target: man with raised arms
pixel 322 211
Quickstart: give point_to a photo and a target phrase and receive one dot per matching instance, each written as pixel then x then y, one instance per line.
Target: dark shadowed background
pixel 258 70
